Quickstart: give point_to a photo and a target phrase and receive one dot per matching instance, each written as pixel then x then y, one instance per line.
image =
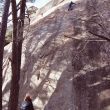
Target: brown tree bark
pixel 18 25
pixel 13 100
pixel 2 38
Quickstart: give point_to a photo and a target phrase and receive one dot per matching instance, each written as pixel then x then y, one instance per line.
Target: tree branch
pixel 100 36
pixel 17 8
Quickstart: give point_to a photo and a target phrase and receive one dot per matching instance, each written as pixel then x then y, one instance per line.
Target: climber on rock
pixel 27 103
pixel 71 6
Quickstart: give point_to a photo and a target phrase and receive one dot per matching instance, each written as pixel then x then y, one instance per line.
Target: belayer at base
pixel 27 104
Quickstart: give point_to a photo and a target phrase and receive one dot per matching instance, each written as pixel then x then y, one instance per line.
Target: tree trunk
pixel 18 25
pixel 13 101
pixel 2 38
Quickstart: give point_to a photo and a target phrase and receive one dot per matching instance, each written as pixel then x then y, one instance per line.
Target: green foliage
pixel 8 37
pixel 32 10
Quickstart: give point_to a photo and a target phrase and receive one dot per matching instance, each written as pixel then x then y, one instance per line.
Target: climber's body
pixel 71 6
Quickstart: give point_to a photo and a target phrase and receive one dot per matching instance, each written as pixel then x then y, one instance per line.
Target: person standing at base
pixel 27 104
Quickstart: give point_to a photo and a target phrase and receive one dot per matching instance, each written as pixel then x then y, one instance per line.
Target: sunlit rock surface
pixel 71 64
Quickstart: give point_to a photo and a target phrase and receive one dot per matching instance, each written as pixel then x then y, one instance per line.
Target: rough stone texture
pixel 72 64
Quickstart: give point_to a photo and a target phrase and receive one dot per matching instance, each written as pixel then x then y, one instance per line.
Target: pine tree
pixel 18 26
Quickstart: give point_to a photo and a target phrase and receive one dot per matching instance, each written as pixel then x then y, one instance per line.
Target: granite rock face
pixel 64 67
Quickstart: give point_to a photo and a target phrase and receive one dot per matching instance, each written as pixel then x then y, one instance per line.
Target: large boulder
pixel 63 66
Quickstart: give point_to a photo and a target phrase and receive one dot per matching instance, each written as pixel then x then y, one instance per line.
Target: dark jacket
pixel 71 5
pixel 27 105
